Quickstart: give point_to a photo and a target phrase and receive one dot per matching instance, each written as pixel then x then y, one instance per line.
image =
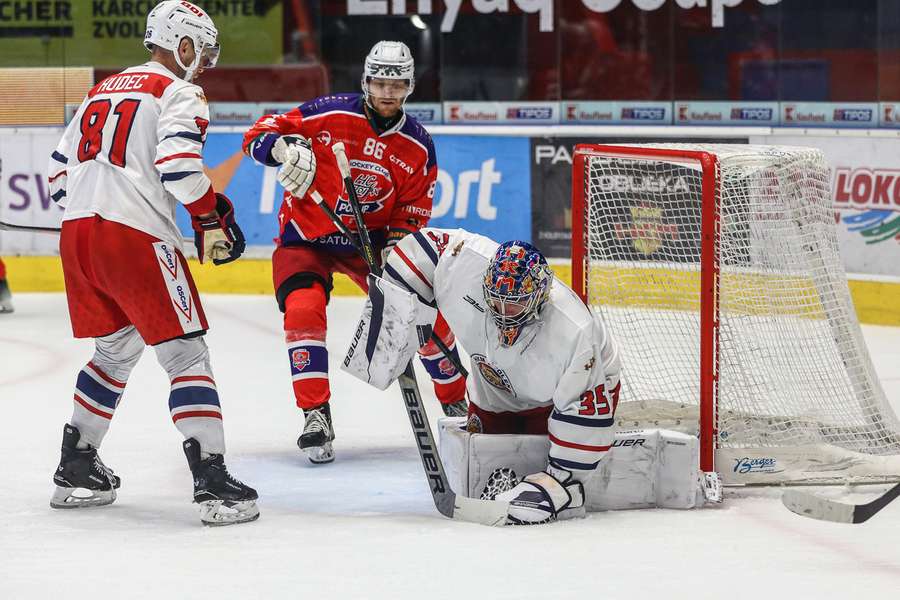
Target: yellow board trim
pixel 876 301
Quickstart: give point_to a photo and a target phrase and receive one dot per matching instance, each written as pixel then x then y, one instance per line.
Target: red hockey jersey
pixel 394 173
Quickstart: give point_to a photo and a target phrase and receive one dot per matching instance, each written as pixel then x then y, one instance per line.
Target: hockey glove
pixel 545 496
pixel 393 237
pixel 218 237
pixel 298 164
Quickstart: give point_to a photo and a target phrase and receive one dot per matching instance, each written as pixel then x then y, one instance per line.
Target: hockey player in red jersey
pixel 394 170
pixel 6 305
pixel 131 151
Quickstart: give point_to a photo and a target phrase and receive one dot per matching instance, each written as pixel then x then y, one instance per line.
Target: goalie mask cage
pixel 717 270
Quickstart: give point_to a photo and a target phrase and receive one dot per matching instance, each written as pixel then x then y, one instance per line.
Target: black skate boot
pixel 317 435
pixel 456 409
pixel 6 305
pixel 223 499
pixel 81 478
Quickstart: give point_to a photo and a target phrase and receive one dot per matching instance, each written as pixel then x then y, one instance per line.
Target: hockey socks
pixel 96 397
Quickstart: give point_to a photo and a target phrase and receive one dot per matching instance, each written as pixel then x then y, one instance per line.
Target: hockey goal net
pixel 717 269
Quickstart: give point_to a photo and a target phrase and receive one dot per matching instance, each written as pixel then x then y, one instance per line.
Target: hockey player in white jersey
pixel 545 364
pixel 131 154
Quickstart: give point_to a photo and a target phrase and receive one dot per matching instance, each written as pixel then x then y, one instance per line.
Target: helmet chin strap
pixel 188 69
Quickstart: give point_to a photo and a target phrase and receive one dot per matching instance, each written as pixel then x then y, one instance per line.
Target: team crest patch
pixel 491 374
pixel 300 358
pixel 446 367
pixel 474 424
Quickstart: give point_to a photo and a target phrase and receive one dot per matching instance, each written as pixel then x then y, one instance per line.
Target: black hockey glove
pixel 218 237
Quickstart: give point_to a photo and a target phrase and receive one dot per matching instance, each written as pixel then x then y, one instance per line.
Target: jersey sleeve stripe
pixel 260 149
pixel 581 421
pixel 412 267
pixel 587 447
pixel 59 195
pixel 396 278
pixel 177 176
pixel 188 135
pixel 59 158
pixel 57 176
pixel 178 155
pixel 426 246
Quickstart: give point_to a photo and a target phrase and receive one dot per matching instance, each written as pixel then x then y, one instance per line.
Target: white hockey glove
pixel 545 496
pixel 298 164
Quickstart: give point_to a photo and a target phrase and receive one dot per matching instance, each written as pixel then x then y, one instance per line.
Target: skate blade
pixel 66 497
pixel 218 513
pixel 320 454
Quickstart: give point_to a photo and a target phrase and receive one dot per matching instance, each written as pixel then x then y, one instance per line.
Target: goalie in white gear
pixel 542 362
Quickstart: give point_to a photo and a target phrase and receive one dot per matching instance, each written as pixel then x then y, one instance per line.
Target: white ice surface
pixel 364 526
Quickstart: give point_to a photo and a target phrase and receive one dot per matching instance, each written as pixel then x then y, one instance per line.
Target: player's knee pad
pixel 304 314
pixel 116 354
pixel 302 281
pixel 183 356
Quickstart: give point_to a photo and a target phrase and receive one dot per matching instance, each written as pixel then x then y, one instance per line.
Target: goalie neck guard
pixel 171 21
pixel 516 287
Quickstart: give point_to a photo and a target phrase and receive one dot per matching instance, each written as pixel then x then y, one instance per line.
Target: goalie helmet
pixel 516 287
pixel 389 60
pixel 171 21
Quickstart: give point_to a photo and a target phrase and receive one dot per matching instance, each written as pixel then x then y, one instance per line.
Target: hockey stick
pixel 345 231
pixel 823 509
pixel 28 228
pixel 448 503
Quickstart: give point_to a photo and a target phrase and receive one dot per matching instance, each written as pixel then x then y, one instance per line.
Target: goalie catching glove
pixel 217 236
pixel 298 164
pixel 546 496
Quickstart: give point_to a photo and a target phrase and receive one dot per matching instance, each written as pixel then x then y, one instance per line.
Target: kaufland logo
pixel 891 114
pixel 751 114
pixel 574 114
pixel 644 114
pixel 529 112
pixel 792 115
pixel 861 115
pixel 458 114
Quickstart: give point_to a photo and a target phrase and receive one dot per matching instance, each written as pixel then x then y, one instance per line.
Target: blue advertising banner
pixel 484 185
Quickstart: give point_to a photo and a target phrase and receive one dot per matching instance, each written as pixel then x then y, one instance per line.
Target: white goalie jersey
pixel 132 150
pixel 566 358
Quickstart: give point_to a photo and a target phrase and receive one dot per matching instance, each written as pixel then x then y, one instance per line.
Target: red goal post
pixel 717 270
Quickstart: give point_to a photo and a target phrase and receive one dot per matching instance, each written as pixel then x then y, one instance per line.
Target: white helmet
pixel 171 21
pixel 389 60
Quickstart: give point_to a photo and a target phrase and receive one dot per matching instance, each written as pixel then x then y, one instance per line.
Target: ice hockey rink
pixel 364 526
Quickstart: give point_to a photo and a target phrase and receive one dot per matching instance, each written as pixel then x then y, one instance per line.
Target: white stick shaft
pixel 341 155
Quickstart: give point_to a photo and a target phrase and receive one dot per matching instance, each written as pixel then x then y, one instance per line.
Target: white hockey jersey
pixel 566 358
pixel 132 149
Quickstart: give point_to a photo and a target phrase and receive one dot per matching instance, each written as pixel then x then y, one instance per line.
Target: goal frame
pixel 708 164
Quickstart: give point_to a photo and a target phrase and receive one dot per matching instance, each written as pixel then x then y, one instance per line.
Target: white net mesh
pixel 794 373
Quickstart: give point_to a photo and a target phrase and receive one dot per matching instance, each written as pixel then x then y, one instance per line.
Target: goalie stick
pixel 448 503
pixel 345 231
pixel 816 507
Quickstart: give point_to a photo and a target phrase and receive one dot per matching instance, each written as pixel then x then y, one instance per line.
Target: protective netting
pixel 794 371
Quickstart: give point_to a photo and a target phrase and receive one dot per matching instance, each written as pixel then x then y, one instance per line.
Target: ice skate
pixel 81 479
pixel 318 433
pixel 6 305
pixel 223 499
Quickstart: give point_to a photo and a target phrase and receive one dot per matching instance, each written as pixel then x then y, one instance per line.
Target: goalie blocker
pixel 646 468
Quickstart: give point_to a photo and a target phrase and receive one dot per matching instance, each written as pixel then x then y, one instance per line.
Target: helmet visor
pixel 391 89
pixel 209 56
